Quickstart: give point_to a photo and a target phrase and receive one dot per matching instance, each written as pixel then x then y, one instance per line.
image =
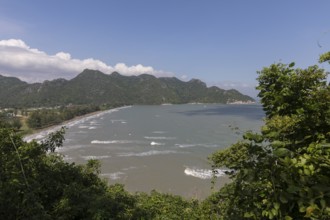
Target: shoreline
pixel 40 134
pixel 65 122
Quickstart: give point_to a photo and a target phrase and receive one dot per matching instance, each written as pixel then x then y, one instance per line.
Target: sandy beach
pixel 40 134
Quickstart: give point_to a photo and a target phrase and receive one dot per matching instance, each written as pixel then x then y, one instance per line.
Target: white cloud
pixel 184 77
pixel 30 64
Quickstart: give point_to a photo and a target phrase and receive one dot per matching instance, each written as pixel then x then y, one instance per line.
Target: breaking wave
pixel 185 145
pixel 147 153
pixel 113 142
pixel 196 145
pixel 95 157
pixel 113 176
pixel 118 120
pixel 160 138
pixel 156 144
pixel 71 147
pixel 203 173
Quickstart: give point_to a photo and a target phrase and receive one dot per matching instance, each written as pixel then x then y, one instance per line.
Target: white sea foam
pixel 90 157
pixel 113 142
pixel 66 158
pixel 160 138
pixel 156 144
pixel 195 103
pixel 185 145
pixel 209 145
pixel 118 120
pixel 43 134
pixel 196 145
pixel 203 173
pixel 70 147
pixel 83 126
pixel 92 128
pixel 113 176
pixel 147 153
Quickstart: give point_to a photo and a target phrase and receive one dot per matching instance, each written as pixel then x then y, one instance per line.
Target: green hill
pixel 95 87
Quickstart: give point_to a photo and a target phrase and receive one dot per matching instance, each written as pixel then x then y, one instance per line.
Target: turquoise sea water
pixel 160 147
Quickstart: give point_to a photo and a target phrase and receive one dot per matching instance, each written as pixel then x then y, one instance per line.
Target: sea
pixel 163 148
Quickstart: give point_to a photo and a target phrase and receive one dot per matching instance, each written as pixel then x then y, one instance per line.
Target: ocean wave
pixel 196 145
pixel 40 136
pixel 203 173
pixel 43 134
pixel 90 157
pixel 147 153
pixel 113 176
pixel 66 158
pixel 118 120
pixel 92 128
pixel 209 145
pixel 160 138
pixel 156 144
pixel 70 147
pixel 114 142
pixel 83 126
pixel 185 145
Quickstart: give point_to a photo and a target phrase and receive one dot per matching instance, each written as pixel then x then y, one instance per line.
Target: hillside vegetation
pixel 93 87
pixel 283 172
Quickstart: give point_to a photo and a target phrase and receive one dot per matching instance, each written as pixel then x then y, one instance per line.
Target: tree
pixel 325 57
pixel 284 171
pixel 36 183
pixel 165 206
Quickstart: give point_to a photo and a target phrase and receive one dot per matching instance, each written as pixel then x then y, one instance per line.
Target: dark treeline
pixel 47 117
pixel 8 119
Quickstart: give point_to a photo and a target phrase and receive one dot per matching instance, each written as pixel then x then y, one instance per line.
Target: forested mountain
pixel 95 87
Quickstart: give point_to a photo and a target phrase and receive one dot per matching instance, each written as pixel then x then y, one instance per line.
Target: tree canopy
pixel 283 172
pixel 36 183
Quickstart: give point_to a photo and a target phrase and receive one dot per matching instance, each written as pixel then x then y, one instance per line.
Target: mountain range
pixel 97 88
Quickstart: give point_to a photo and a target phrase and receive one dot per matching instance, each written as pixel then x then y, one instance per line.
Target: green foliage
pixel 54 140
pixel 325 57
pixel 97 88
pixel 47 117
pixel 36 183
pixel 165 206
pixel 9 120
pixel 283 172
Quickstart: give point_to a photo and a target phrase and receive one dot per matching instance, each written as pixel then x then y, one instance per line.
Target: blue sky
pixel 220 42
